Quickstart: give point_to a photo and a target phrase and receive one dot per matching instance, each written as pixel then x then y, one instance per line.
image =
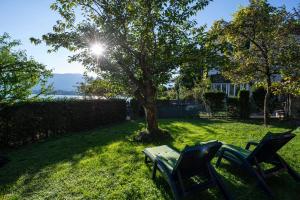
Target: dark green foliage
pixel 28 122
pixel 136 109
pixel 178 109
pixel 189 75
pixel 102 88
pixel 233 106
pixel 19 73
pixel 258 96
pixel 239 106
pixel 167 93
pixel 215 100
pixel 244 104
pixel 167 109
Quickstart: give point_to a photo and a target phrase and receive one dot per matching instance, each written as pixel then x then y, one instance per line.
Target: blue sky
pixel 23 19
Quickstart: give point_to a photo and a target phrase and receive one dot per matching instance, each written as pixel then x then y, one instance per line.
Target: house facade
pixel 219 83
pixel 289 104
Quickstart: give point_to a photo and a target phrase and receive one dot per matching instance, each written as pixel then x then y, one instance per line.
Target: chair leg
pixel 293 173
pixel 259 169
pixel 182 186
pixel 154 170
pixel 177 194
pixel 260 180
pixel 219 159
pixel 219 183
pixel 147 159
pixel 174 189
pixel 290 170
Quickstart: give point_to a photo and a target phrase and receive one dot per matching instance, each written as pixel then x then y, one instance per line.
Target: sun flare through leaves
pixel 97 49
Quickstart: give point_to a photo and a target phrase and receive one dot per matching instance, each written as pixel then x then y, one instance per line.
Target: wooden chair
pixel 178 168
pixel 265 152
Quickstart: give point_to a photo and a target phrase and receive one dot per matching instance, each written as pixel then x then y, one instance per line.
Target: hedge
pixel 233 107
pixel 258 95
pixel 215 100
pixel 136 109
pixel 244 104
pixel 28 122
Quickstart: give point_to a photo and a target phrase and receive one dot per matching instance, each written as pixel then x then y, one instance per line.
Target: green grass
pixel 104 164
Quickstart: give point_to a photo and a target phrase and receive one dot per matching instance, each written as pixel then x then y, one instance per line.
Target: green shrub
pixel 28 122
pixel 258 95
pixel 233 107
pixel 244 104
pixel 136 109
pixel 215 100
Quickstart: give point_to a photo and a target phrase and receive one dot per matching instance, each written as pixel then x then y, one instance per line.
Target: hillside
pixel 63 82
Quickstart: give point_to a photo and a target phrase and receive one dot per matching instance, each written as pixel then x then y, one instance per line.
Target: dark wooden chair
pixel 179 168
pixel 265 152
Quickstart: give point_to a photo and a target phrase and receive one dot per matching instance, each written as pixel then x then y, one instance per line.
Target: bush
pixel 215 100
pixel 244 104
pixel 233 106
pixel 136 109
pixel 178 109
pixel 28 122
pixel 258 96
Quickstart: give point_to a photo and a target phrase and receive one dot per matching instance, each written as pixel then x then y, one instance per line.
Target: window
pixel 231 90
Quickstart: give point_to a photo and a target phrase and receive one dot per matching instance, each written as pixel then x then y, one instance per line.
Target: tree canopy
pixel 102 87
pixel 260 47
pixel 145 41
pixel 18 73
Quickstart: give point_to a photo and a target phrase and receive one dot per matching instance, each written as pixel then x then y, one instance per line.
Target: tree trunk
pixel 151 117
pixel 266 102
pixel 148 98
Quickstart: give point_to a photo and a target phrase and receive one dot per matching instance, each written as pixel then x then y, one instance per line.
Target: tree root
pixel 158 136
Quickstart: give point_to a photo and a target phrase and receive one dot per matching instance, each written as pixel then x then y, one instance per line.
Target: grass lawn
pixel 104 164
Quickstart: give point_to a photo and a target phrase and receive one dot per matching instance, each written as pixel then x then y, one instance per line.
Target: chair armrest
pixel 232 151
pixel 162 168
pixel 251 143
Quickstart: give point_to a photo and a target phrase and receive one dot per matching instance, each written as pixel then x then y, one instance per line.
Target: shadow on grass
pixel 209 194
pixel 161 183
pixel 71 148
pixel 30 160
pixel 246 187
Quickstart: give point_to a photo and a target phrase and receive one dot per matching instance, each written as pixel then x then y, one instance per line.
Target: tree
pixel 102 88
pixel 143 39
pixel 204 55
pixel 189 75
pixel 166 93
pixel 18 74
pixel 261 47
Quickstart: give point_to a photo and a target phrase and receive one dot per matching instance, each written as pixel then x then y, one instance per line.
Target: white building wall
pixel 229 88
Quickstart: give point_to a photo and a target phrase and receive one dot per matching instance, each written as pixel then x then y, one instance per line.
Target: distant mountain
pixel 63 82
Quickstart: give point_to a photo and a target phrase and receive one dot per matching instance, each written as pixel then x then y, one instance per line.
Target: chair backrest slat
pixel 193 160
pixel 269 145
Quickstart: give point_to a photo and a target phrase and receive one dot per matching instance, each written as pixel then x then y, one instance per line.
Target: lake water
pixel 58 96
